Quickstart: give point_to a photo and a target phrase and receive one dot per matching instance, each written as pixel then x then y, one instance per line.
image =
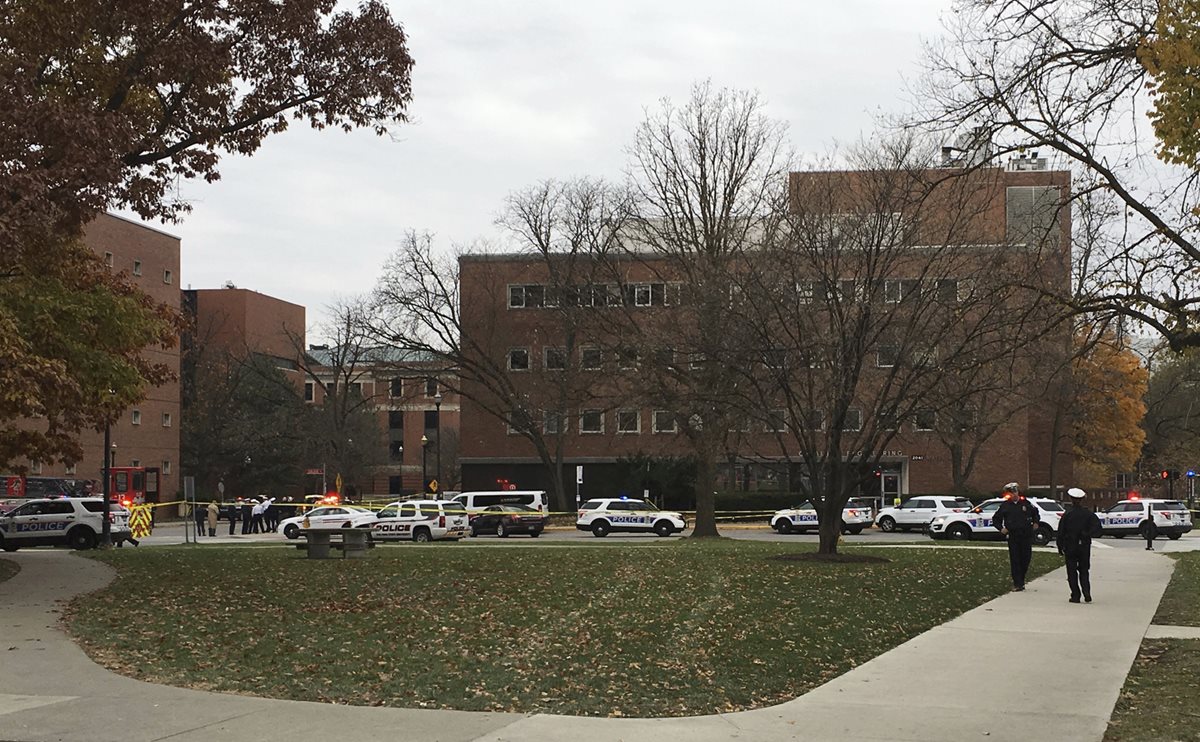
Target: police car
pixel 804 516
pixel 605 515
pixel 1132 517
pixel 77 522
pixel 918 511
pixel 976 523
pixel 420 521
pixel 332 516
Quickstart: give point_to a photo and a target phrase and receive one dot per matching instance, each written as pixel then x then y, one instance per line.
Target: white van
pixel 473 502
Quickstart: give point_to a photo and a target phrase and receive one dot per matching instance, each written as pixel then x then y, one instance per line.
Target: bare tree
pixel 1064 79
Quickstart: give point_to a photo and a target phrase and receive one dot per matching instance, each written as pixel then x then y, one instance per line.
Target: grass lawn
pixel 1158 701
pixel 683 628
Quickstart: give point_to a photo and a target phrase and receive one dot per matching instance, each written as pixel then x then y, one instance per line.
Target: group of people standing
pixel 1017 518
pixel 256 516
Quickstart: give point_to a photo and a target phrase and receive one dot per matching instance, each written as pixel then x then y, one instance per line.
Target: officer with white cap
pixel 1016 518
pixel 1076 530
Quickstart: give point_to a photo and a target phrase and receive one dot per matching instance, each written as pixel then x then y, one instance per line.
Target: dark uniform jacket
pixel 1076 530
pixel 1018 515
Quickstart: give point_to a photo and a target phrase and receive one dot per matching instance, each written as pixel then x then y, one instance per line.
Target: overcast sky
pixel 506 94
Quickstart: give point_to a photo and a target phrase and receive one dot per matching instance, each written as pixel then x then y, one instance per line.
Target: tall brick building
pixel 513 315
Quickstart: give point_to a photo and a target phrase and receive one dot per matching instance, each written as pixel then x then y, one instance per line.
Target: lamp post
pixel 424 458
pixel 109 459
pixel 437 406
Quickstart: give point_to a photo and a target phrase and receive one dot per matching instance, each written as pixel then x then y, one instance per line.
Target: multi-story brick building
pixel 519 320
pixel 147 434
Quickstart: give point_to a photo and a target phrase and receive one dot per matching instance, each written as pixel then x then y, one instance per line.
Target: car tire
pixel 534 534
pixel 1042 535
pixel 887 524
pixel 474 530
pixel 1172 536
pixel 422 536
pixel 854 530
pixel 501 530
pixel 7 546
pixel 958 532
pixel 664 528
pixel 784 526
pixel 1143 529
pixel 601 528
pixel 81 538
pixel 291 531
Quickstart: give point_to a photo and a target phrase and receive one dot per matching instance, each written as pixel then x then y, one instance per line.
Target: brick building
pixel 514 316
pixel 148 433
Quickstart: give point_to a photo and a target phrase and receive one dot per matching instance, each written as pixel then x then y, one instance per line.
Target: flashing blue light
pixel 624 497
pixel 1191 472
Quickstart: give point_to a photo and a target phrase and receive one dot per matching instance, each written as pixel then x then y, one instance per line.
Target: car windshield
pixel 98 507
pixel 590 505
pixel 357 509
pixel 1051 507
pixel 1169 506
pixel 806 505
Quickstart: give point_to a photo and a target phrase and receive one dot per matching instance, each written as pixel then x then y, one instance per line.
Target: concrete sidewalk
pixel 1026 665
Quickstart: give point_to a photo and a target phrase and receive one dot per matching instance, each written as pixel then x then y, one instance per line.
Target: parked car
pixel 804 516
pixel 420 521
pixel 919 511
pixel 1132 517
pixel 604 515
pixel 346 516
pixel 505 520
pixel 65 521
pixel 976 523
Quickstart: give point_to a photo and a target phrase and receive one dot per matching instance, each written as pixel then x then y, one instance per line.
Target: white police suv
pixel 919 511
pixel 1133 516
pixel 801 518
pixel 420 521
pixel 605 515
pixel 976 523
pixel 64 521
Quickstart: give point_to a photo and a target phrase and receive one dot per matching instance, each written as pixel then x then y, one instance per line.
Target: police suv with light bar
pixel 605 515
pixel 64 521
pixel 1132 517
pixel 976 523
pixel 804 516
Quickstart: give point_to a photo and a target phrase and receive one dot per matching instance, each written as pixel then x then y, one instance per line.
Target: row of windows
pixel 395 387
pixel 944 290
pixel 535 295
pixel 665 421
pixel 137 267
pixel 135 417
pixel 35 467
pixel 556 358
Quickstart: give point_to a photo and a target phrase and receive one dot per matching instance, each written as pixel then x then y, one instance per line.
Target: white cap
pixel 1012 487
pixel 1076 493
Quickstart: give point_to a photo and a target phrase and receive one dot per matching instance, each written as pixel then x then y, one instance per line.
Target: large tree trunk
pixel 830 531
pixel 706 499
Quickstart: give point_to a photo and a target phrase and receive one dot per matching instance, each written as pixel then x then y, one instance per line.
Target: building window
pixel 396 387
pixel 395 484
pixel 775 358
pixel 805 291
pixel 518 359
pixel 924 420
pixel 776 421
pixel 136 417
pixel 848 289
pixel 518 421
pixel 590 359
pixel 108 259
pixel 166 419
pixel 331 389
pixel 137 267
pixel 166 467
pixel 70 470
pixel 814 420
pixel 395 419
pixel 431 386
pixel 888 422
pixel 35 467
pixel 396 451
pixel 627 359
pixel 947 290
pixel 308 391
pixel 167 276
pixel 629 421
pixel 431 419
pixel 893 292
pixel 591 421
pixel 853 419
pixel 553 423
pixel 664 357
pixel 135 462
pixel 554 358
pixel 887 355
pixel 664 422
pixel 526 296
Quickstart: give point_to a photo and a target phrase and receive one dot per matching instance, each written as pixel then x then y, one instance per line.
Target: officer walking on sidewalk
pixel 1076 530
pixel 1016 518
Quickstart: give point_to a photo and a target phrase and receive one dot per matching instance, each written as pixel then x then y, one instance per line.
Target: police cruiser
pixel 420 521
pixel 605 515
pixel 976 523
pixel 77 522
pixel 1133 516
pixel 804 516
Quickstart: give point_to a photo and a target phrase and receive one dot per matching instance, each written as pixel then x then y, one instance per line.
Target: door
pixel 916 512
pixel 890 488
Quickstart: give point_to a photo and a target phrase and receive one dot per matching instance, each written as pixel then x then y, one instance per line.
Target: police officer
pixel 1150 531
pixel 1076 530
pixel 1016 518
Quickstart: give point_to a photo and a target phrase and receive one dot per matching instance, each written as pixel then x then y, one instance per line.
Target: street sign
pixel 433 485
pixel 317 472
pixel 579 474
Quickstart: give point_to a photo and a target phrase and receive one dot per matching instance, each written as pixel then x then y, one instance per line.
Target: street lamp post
pixel 105 527
pixel 437 406
pixel 424 459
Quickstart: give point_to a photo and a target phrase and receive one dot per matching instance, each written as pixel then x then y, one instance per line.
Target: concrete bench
pixel 352 542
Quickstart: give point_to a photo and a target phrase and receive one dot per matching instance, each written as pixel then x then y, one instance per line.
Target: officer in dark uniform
pixel 247 514
pixel 1076 530
pixel 1016 518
